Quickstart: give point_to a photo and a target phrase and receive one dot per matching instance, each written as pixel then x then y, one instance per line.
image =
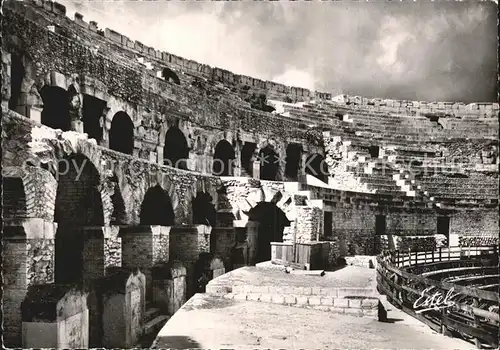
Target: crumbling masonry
pixel 132 176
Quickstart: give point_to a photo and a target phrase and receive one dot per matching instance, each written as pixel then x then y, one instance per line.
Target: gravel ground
pixel 210 322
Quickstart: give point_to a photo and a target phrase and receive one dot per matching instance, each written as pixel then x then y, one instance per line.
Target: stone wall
pixel 356 231
pixel 309 223
pixel 414 224
pixel 475 223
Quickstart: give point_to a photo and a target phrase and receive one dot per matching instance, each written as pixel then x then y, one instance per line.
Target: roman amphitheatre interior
pixel 154 201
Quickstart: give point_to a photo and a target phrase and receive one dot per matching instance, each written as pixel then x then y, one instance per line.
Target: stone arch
pixel 223 163
pixel 121 133
pixel 17 72
pixel 157 208
pixel 269 163
pixel 36 196
pixel 175 151
pixel 293 157
pixel 271 224
pixel 78 205
pixel 170 76
pixel 55 113
pixel 203 209
pixel 316 166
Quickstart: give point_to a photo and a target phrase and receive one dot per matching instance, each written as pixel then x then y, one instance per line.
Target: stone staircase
pixel 154 320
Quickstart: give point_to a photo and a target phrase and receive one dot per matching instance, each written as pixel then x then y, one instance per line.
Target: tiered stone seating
pixel 455 189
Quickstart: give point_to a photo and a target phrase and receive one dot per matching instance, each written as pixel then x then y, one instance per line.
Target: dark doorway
pixel 293 155
pixel 175 152
pixel 269 163
pixel 170 76
pixel 374 151
pixel 78 204
pixel 16 80
pixel 121 134
pixel 272 221
pixel 328 224
pixel 55 113
pixel 119 215
pixel 204 212
pixel 380 224
pixel 317 167
pixel 93 109
pixel 156 208
pixel 247 152
pixel 443 226
pixel 223 159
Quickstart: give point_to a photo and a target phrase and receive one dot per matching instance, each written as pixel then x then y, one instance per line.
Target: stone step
pixel 356 306
pixel 150 314
pixel 155 324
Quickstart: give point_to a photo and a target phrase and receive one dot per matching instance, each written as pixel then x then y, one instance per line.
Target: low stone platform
pixel 348 281
pixel 211 322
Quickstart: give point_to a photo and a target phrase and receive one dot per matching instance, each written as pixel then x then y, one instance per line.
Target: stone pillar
pixel 77 126
pixel 112 247
pixel 159 152
pixel 92 253
pixel 186 245
pixel 55 316
pixel 169 286
pixel 256 169
pixel 143 247
pixel 252 228
pixel 6 78
pixel 308 223
pixel 123 308
pixel 28 259
pixel 206 269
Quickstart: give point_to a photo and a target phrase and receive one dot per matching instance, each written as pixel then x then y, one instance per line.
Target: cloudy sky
pixel 429 51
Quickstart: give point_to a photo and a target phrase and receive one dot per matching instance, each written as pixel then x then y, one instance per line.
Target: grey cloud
pixel 422 50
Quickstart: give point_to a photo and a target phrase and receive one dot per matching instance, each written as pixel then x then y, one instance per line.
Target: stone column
pixel 6 78
pixel 143 247
pixel 55 316
pixel 92 253
pixel 256 169
pixel 28 259
pixel 159 153
pixel 123 307
pixel 169 286
pixel 186 245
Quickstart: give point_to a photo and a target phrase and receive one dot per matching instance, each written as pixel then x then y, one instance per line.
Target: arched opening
pixel 272 221
pixel 156 208
pixel 223 159
pixel 246 158
pixel 55 113
pixel 78 204
pixel 121 134
pixel 119 215
pixel 293 155
pixel 269 163
pixel 317 167
pixel 170 76
pixel 204 212
pixel 17 72
pixel 175 152
pixel 93 109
